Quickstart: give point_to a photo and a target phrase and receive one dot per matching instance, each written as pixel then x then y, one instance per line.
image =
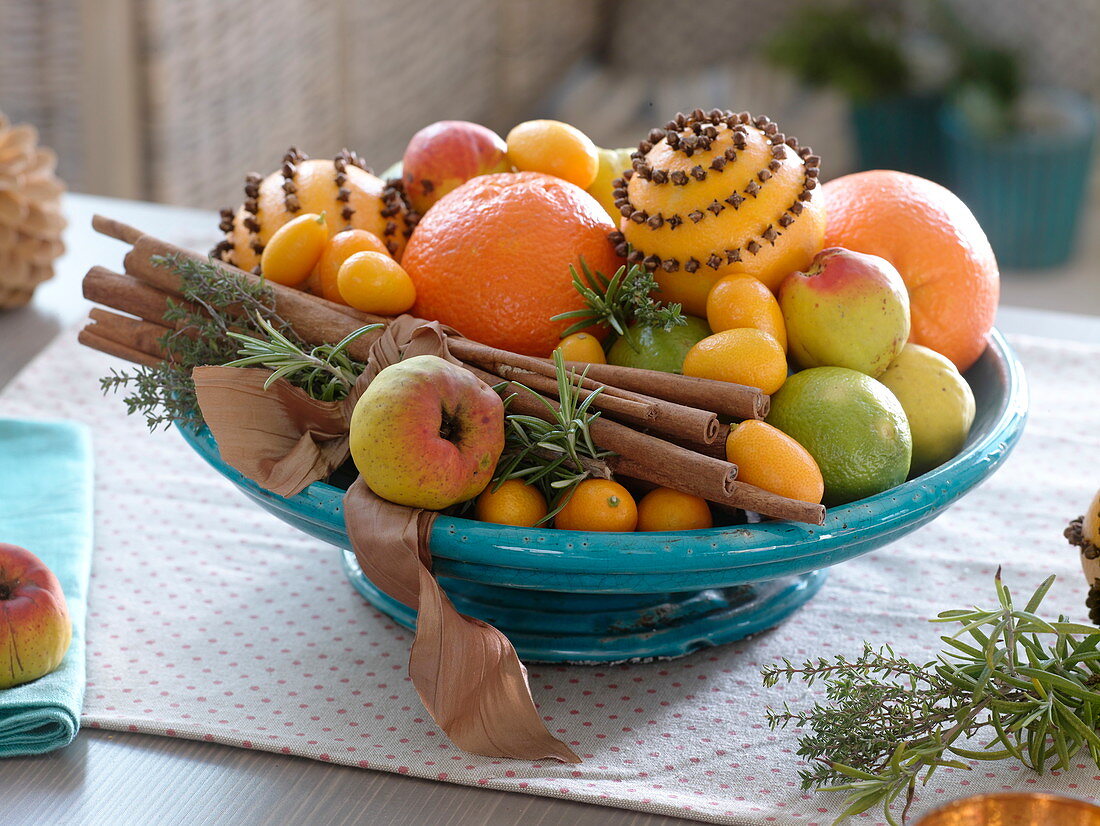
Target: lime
pixel 653 348
pixel 851 424
pixel 937 400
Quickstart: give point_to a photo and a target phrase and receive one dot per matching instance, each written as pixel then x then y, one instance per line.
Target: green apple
pixel 427 433
pixel 848 309
pixel 653 348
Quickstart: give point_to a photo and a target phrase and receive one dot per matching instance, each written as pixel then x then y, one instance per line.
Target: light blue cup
pixel 568 596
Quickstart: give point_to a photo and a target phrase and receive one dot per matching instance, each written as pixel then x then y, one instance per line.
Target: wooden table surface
pixel 116 778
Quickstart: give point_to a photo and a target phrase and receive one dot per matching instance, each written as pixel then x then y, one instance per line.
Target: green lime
pixel 853 427
pixel 937 400
pixel 652 348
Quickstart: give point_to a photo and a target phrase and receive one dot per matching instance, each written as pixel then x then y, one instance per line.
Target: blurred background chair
pixel 174 101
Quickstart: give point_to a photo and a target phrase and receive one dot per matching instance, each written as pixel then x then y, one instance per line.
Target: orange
pixel 492 258
pixel 665 509
pixel 295 249
pixel 339 248
pixel 768 458
pixel 555 148
pixel 743 355
pixel 743 301
pixel 375 283
pixel 582 347
pixel 513 503
pixel 935 242
pixel 598 505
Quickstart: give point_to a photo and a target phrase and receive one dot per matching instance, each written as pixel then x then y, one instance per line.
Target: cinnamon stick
pixel 115 229
pixel 638 413
pixel 717 448
pixel 654 460
pixel 688 424
pixel 723 397
pixel 143 336
pixel 114 348
pixel 128 294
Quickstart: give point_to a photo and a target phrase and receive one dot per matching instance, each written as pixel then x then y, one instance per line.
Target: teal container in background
pixel 1026 190
pixel 901 133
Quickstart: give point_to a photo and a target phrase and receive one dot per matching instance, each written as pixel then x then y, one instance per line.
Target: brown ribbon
pixel 466 672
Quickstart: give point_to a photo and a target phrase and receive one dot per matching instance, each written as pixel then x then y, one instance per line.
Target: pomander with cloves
pixel 1084 532
pixel 349 194
pixel 716 193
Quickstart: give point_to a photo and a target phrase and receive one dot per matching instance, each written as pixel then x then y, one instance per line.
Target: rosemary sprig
pixel 619 302
pixel 325 372
pixel 1027 686
pixel 555 456
pixel 165 393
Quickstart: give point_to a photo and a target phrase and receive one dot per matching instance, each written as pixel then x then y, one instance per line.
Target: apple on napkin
pixel 35 630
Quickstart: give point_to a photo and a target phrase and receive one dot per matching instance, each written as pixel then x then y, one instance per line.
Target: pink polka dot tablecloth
pixel 210 619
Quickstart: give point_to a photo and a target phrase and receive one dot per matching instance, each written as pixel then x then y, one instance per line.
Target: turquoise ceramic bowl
pixel 572 596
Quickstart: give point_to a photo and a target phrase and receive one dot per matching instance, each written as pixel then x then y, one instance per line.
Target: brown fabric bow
pixel 466 672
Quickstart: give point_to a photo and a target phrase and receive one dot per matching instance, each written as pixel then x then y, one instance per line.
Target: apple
pixel 848 309
pixel 446 154
pixel 35 630
pixel 427 433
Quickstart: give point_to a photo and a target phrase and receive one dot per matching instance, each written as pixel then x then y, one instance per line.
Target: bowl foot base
pixel 591 628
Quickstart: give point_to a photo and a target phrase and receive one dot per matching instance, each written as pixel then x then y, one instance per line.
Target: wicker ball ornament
pixel 30 213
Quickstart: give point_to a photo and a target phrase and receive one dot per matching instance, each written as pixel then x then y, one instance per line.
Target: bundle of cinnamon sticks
pixel 663 428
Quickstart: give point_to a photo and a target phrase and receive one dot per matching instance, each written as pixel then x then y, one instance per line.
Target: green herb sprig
pixel 325 372
pixel 1022 686
pixel 555 456
pixel 214 304
pixel 620 302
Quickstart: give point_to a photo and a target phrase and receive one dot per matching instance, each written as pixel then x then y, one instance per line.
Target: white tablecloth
pixel 210 619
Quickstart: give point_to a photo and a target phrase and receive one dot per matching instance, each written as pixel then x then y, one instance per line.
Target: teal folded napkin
pixel 46 507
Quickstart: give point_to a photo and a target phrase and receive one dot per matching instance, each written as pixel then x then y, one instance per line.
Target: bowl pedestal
pixel 589 628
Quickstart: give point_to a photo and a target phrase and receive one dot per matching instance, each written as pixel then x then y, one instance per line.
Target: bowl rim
pixel 470 542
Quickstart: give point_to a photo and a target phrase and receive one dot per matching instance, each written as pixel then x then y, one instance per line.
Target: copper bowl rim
pixel 966 802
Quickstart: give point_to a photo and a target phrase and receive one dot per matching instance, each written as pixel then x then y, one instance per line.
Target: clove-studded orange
pixel 348 195
pixel 715 193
